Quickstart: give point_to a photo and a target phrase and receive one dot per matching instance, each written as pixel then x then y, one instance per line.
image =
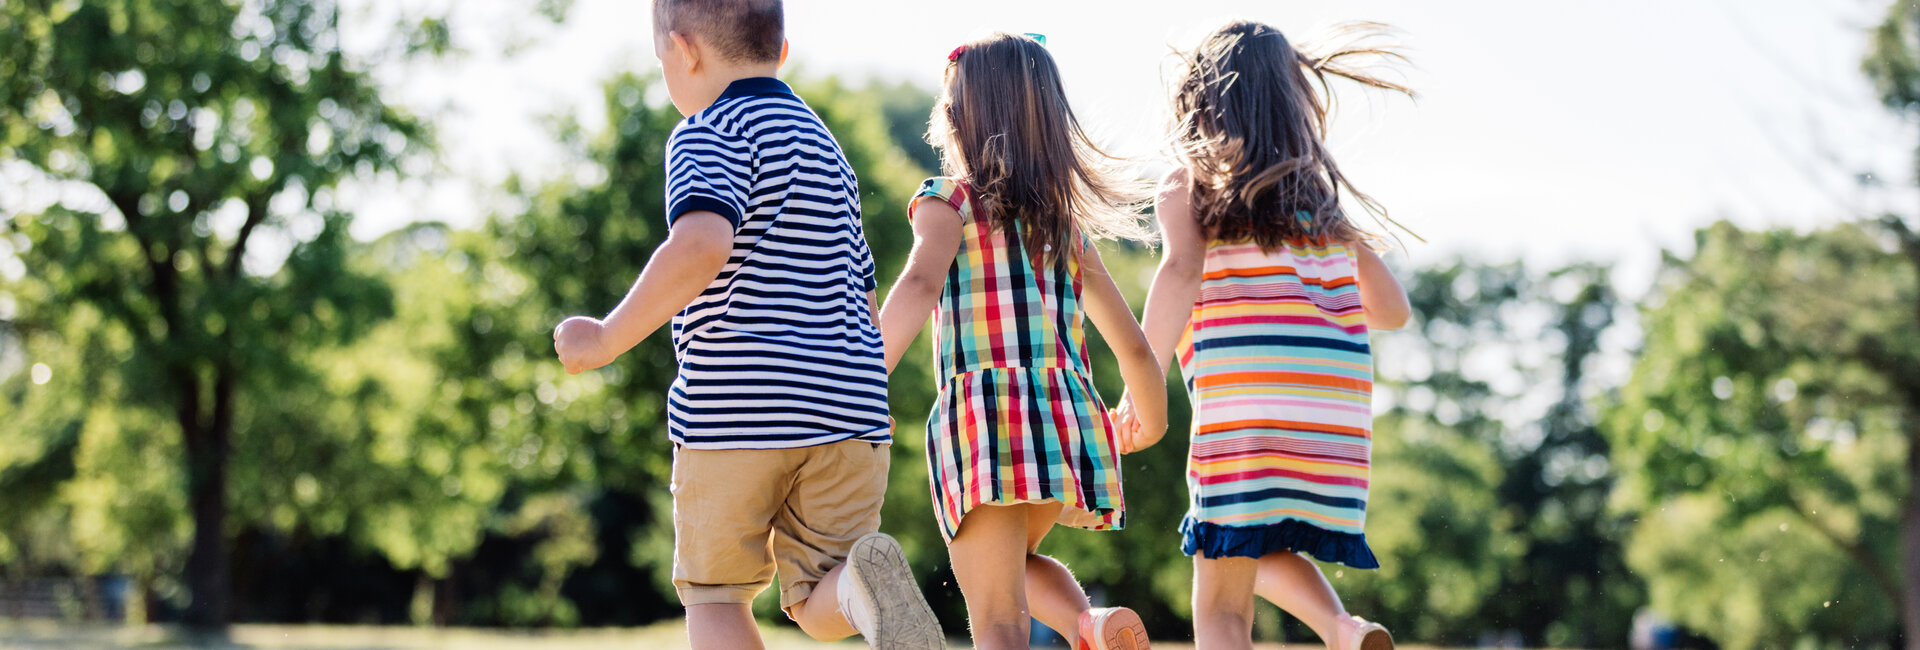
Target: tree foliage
pixel 195 248
pixel 1763 437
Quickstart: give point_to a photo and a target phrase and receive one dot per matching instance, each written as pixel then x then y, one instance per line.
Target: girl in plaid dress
pixel 1003 258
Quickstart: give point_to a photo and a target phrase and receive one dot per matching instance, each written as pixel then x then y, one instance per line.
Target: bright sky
pixel 1554 131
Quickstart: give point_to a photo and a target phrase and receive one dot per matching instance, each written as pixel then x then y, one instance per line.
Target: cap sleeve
pixel 707 170
pixel 951 191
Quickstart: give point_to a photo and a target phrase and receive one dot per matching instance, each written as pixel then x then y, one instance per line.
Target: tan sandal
pixel 1361 634
pixel 1112 628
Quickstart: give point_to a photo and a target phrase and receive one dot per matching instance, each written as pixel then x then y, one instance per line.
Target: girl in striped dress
pixel 1003 258
pixel 1266 295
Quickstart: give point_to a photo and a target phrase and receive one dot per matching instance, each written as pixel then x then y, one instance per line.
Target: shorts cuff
pixel 712 594
pixel 794 594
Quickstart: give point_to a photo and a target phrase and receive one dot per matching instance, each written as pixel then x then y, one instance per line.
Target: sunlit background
pixel 1661 388
pixel 1552 131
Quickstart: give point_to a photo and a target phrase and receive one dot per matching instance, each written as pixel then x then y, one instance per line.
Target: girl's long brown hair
pixel 1003 125
pixel 1249 127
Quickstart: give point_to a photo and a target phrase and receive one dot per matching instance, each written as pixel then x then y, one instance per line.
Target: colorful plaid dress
pixel 1017 419
pixel 1280 374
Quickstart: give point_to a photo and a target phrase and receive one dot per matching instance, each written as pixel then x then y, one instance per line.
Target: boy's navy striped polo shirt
pixel 781 351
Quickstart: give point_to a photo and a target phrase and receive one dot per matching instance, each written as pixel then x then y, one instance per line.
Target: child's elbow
pixel 1138 351
pixel 1182 267
pixel 921 283
pixel 1390 319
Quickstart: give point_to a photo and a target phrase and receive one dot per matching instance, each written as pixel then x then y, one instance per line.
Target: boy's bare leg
pixel 819 615
pixel 722 626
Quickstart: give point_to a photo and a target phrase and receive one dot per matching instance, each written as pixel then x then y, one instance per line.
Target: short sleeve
pixel 951 191
pixel 707 170
pixel 867 270
pixel 863 254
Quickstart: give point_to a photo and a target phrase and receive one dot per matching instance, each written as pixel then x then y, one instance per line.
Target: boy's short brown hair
pixel 749 31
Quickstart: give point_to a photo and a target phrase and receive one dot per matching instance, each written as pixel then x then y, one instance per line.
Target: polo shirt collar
pixel 755 86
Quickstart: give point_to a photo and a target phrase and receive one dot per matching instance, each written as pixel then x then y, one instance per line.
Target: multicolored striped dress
pixel 1280 374
pixel 1017 419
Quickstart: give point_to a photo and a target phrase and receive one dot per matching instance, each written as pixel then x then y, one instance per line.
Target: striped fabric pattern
pixel 781 350
pixel 1017 419
pixel 1280 374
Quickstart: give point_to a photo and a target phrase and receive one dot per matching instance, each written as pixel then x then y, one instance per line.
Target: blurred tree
pixel 1892 63
pixel 1571 585
pixel 1772 412
pixel 195 246
pixel 906 107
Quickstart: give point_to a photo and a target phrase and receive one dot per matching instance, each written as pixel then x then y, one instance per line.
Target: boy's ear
pixel 689 50
pixel 783 54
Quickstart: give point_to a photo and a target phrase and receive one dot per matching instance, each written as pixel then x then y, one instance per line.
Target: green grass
pixel 663 636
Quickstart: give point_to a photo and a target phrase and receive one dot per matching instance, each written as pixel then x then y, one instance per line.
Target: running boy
pixel 779 413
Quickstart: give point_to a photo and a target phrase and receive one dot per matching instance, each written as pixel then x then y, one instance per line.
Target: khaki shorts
pixel 741 515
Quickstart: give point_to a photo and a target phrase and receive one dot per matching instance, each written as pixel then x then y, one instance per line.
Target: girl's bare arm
pixel 1177 283
pixel 936 239
pixel 1146 382
pixel 1380 294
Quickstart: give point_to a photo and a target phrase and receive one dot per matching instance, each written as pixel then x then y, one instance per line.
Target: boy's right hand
pixel 578 342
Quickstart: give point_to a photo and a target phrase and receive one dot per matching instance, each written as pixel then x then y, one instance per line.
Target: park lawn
pixel 664 636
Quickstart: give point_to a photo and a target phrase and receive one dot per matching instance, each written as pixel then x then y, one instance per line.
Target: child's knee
pixel 821 632
pixel 1222 619
pixel 1223 604
pixel 997 632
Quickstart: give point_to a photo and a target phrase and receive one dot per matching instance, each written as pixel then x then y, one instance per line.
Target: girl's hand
pixel 1124 422
pixel 1132 433
pixel 578 341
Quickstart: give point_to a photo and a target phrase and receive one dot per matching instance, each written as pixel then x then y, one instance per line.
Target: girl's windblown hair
pixel 1003 125
pixel 1249 128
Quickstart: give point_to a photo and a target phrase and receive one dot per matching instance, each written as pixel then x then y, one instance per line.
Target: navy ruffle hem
pixel 1287 535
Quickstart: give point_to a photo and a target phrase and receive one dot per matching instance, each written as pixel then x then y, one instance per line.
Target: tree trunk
pixel 1910 541
pixel 209 569
pixel 1908 382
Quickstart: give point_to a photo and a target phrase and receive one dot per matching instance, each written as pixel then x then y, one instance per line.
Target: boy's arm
pixel 936 239
pixel 1381 296
pixel 697 247
pixel 1146 397
pixel 1177 282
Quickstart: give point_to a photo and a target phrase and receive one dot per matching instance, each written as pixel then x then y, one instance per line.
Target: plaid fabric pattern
pixel 1017 419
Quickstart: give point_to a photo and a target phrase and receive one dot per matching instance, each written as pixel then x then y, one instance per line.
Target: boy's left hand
pixel 578 342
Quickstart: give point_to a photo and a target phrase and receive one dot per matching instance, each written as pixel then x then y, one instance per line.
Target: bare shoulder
pixel 933 213
pixel 1173 208
pixel 1175 178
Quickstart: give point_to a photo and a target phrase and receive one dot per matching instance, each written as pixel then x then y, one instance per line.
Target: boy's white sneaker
pixel 879 597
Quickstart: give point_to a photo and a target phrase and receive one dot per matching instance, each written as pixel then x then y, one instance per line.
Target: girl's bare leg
pixel 1053 593
pixel 1295 584
pixel 1223 602
pixel 989 561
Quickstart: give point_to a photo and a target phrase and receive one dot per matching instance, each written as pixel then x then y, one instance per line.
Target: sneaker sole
pixel 1121 629
pixel 902 619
